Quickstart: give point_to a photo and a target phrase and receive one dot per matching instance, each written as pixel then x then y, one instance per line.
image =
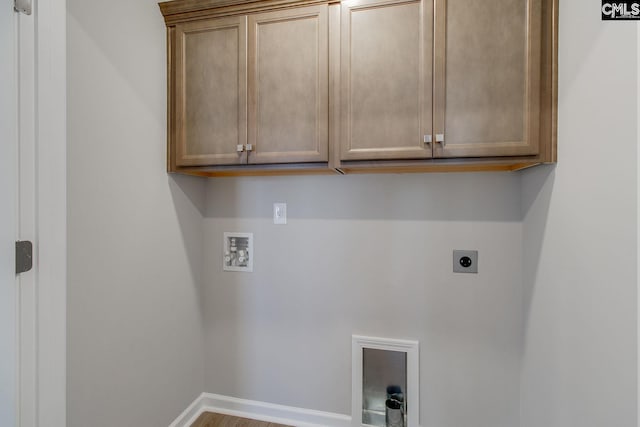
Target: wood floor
pixel 209 419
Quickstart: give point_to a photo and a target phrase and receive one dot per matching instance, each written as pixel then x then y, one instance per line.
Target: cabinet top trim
pixel 177 11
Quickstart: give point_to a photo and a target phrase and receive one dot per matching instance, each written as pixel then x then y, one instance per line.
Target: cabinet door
pixel 487 77
pixel 386 75
pixel 288 86
pixel 211 105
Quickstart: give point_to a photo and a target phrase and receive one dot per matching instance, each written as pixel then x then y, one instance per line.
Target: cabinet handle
pixel 240 148
pixel 427 139
pixel 440 139
pixel 249 147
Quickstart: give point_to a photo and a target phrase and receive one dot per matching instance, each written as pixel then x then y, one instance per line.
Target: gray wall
pixel 580 228
pixel 368 255
pixel 135 355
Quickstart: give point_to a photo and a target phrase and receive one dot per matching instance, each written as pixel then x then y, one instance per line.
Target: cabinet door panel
pixel 487 77
pixel 288 86
pixel 211 92
pixel 386 79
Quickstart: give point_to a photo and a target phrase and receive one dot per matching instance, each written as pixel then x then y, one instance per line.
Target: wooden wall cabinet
pixel 324 86
pixel 455 85
pixel 487 78
pixel 289 86
pixel 386 72
pixel 249 89
pixel 211 92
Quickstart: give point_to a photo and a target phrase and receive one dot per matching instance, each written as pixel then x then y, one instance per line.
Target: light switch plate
pixel 280 213
pixel 465 261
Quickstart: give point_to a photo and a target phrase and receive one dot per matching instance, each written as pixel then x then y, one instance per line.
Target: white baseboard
pixel 262 411
pixel 189 415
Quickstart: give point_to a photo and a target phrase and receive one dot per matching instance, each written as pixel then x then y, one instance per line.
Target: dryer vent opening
pixel 385 382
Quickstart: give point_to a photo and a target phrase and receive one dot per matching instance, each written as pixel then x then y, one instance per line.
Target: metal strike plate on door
pixel 22 6
pixel 24 256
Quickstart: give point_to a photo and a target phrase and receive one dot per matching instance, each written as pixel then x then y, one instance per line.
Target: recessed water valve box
pixel 465 261
pixel 238 252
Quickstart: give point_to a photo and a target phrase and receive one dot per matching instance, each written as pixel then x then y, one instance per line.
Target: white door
pixel 18 297
pixel 32 207
pixel 8 214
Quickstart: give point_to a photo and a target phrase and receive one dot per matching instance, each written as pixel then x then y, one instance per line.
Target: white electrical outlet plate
pixel 280 213
pixel 237 253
